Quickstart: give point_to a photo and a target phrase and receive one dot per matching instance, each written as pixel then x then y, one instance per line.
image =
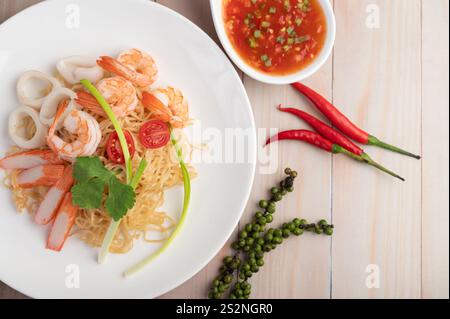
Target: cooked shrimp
pixel 118 92
pixel 78 123
pixel 29 159
pixel 168 104
pixel 42 175
pixel 63 223
pixel 134 65
pixel 50 204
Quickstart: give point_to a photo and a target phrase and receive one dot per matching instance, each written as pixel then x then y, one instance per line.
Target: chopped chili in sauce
pixel 276 36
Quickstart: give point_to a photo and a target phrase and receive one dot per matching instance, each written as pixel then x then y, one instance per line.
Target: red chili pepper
pixel 305 136
pixel 325 130
pixel 343 123
pixel 320 142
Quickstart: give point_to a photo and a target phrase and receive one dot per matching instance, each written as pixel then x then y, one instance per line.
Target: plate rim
pixel 252 162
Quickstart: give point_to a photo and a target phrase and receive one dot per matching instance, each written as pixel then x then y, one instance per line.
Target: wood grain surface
pixel 389 73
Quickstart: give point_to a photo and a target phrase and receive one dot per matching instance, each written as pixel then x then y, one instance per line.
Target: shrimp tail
pixel 112 65
pixel 152 103
pixel 89 102
pixel 62 106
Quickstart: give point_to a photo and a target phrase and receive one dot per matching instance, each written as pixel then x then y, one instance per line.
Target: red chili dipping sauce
pixel 276 36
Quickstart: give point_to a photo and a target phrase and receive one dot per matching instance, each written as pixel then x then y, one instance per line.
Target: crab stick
pixel 29 159
pixel 52 200
pixel 64 220
pixel 42 175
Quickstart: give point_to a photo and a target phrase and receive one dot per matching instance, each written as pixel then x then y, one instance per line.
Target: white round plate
pixel 188 59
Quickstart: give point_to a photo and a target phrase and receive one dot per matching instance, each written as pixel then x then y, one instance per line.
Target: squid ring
pixel 51 102
pixel 34 96
pixel 17 127
pixel 75 68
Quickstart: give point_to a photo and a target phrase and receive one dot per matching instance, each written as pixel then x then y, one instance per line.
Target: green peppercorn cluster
pixel 223 281
pixel 272 238
pixel 254 241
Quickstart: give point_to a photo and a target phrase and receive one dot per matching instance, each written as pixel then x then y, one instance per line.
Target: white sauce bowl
pixel 217 13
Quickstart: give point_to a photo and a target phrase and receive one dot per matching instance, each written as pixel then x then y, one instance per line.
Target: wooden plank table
pixel 389 73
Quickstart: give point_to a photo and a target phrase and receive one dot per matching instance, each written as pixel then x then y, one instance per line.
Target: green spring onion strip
pixel 186 199
pixel 112 117
pixel 133 181
pixel 137 176
pixel 114 225
pixel 107 240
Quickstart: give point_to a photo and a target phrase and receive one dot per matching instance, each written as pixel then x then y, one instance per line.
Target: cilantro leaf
pixel 86 168
pixel 88 194
pixel 120 199
pixel 92 177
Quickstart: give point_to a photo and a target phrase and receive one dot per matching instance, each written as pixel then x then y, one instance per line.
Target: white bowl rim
pixel 216 10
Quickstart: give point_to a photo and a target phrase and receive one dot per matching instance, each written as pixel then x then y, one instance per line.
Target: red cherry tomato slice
pixel 154 134
pixel 114 150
